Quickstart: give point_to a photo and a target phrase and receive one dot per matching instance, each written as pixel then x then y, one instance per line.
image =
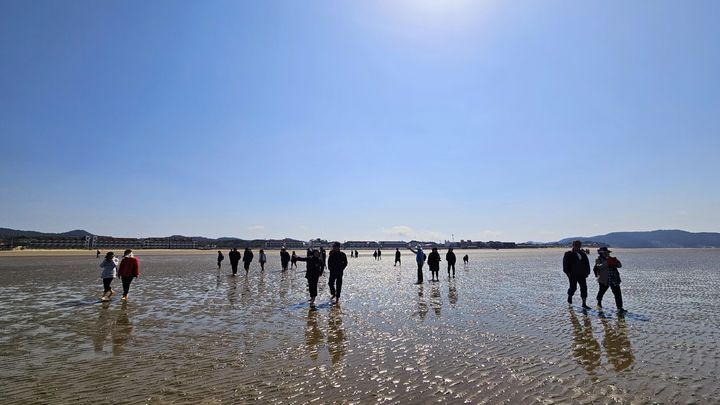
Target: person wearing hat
pixel 313 272
pixel 109 272
pixel 608 276
pixel 337 262
pixel 576 267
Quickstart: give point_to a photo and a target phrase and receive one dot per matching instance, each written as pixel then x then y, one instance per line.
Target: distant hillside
pixel 15 233
pixel 654 239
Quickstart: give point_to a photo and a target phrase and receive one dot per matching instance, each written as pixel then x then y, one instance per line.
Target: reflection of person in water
pixel 422 307
pixel 313 334
pixel 336 335
pixel 435 299
pixel 586 349
pixel 617 344
pixel 121 330
pixel 452 293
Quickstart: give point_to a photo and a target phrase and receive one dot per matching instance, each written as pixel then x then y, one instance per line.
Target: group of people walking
pixel 127 270
pixel 576 267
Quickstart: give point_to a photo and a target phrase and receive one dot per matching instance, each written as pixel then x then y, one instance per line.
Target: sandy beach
pixel 500 332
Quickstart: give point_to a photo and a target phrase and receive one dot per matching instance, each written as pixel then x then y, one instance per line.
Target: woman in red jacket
pixel 129 269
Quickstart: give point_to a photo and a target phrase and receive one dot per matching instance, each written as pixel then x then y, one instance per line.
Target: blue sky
pixel 360 119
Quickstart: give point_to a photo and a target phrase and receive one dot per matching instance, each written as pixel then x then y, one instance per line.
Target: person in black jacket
pixel 247 258
pixel 220 258
pixel 337 262
pixel 397 257
pixel 434 264
pixel 577 268
pixel 234 256
pixel 451 259
pixel 284 259
pixel 313 273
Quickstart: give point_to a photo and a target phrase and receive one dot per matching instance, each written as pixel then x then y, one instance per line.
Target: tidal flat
pixel 499 332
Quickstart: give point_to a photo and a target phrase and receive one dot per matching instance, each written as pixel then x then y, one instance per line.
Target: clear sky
pixel 486 119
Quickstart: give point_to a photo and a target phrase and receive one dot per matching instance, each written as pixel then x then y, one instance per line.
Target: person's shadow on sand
pixel 114 323
pixel 336 339
pixel 313 334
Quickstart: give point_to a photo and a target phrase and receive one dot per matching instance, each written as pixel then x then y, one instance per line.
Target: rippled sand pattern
pixel 500 332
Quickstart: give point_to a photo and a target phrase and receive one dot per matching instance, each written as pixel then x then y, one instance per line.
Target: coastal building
pixel 392 244
pixel 286 243
pixel 360 244
pixel 109 242
pixel 60 242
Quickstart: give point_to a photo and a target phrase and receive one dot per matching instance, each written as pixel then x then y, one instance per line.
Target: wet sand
pixel 500 332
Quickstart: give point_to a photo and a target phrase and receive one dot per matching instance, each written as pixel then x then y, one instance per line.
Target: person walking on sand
pixel 375 254
pixel 128 270
pixel 356 254
pixel 397 257
pixel 323 257
pixel 434 264
pixel 577 268
pixel 109 272
pixel 466 260
pixel 235 257
pixel 97 253
pixel 293 260
pixel 420 259
pixel 337 262
pixel 220 258
pixel 262 259
pixel 608 276
pixel 451 259
pixel 379 254
pixel 247 258
pixel 284 259
pixel 312 273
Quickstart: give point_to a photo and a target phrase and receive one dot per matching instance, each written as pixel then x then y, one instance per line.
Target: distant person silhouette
pixel 434 264
pixel 450 258
pixel 397 257
pixel 293 260
pixel 356 253
pixel 323 257
pixel 337 262
pixel 466 260
pixel 220 258
pixel 247 259
pixel 312 273
pixel 262 259
pixel 420 260
pixel 608 276
pixel 379 254
pixel 97 254
pixel 577 267
pixel 128 270
pixel 234 257
pixel 375 255
pixel 284 259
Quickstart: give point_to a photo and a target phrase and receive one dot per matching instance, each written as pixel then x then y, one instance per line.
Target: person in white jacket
pixel 109 272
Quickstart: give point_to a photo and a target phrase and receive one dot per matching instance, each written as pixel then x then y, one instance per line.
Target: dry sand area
pixel 500 332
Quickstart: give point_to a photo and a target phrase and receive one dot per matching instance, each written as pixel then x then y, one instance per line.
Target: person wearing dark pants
pixel 220 258
pixel 312 273
pixel 247 259
pixel 608 276
pixel 451 259
pixel 576 267
pixel 420 259
pixel 109 272
pixel 234 256
pixel 284 259
pixel 434 264
pixel 397 257
pixel 337 262
pixel 129 269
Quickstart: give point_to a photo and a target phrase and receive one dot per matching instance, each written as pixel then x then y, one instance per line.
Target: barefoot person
pixel 129 269
pixel 577 268
pixel 109 272
pixel 608 276
pixel 312 273
pixel 337 262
